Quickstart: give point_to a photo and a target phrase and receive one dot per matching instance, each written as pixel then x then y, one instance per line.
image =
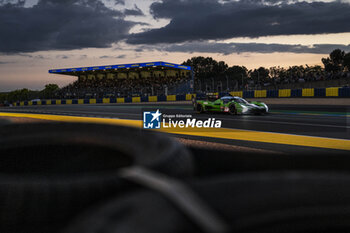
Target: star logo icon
pixel 156 116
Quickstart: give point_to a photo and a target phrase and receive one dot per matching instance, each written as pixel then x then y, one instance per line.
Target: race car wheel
pixel 50 172
pixel 232 109
pixel 199 108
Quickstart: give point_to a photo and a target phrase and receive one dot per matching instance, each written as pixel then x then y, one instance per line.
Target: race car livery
pixel 230 104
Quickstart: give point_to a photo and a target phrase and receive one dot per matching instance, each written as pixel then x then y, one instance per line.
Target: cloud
pixel 134 12
pixel 117 57
pixel 230 48
pixel 116 2
pixel 60 25
pixel 39 56
pixel 5 62
pixel 63 56
pixel 192 20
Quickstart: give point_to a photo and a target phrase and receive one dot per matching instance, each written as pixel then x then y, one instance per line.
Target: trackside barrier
pixel 332 91
pixel 152 98
pixel 180 97
pixel 136 99
pixel 308 92
pixel 342 92
pixel 237 93
pixel 248 94
pixel 296 93
pixel 171 98
pixel 320 92
pixel 188 97
pixel 144 99
pixel 260 94
pixel 161 98
pixel 284 93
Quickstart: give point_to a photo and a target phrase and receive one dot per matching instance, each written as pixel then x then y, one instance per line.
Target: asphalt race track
pixel 309 120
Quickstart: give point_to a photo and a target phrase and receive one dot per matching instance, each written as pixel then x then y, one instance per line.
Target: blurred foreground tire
pixel 284 202
pixel 51 172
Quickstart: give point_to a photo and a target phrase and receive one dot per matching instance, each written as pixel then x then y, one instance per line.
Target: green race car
pixel 230 104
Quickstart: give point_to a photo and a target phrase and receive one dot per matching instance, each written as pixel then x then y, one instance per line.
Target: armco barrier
pixel 284 93
pixel 152 98
pixel 171 98
pixel 248 94
pixel 260 94
pixel 344 92
pixel 180 97
pixel 331 92
pixel 237 93
pixel 308 92
pixel 136 99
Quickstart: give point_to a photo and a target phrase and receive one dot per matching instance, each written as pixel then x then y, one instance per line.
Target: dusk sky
pixel 38 35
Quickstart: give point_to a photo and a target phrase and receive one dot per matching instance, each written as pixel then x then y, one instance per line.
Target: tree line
pixel 25 94
pixel 206 68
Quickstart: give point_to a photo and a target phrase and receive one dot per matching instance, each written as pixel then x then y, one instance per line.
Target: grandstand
pixel 125 80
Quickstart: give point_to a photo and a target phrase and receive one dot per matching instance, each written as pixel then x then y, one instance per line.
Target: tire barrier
pixel 341 92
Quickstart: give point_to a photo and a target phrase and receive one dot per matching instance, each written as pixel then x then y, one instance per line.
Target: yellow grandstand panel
pixel 110 76
pixel 120 100
pixel 48 102
pixel 237 93
pixel 189 96
pixel 100 76
pixel 171 98
pixel 284 93
pixel 58 102
pixel 80 101
pixel 185 73
pixel 92 101
pixel 122 75
pixel 158 74
pixel 152 98
pixel 133 75
pixel 91 76
pixel 260 94
pixel 145 74
pixel 106 100
pixel 332 91
pixel 69 101
pixel 82 78
pixel 308 92
pixel 172 73
pixel 136 99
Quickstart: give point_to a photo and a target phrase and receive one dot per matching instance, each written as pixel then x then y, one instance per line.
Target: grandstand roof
pixel 74 71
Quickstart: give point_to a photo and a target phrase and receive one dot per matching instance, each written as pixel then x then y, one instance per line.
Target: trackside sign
pixel 157 120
